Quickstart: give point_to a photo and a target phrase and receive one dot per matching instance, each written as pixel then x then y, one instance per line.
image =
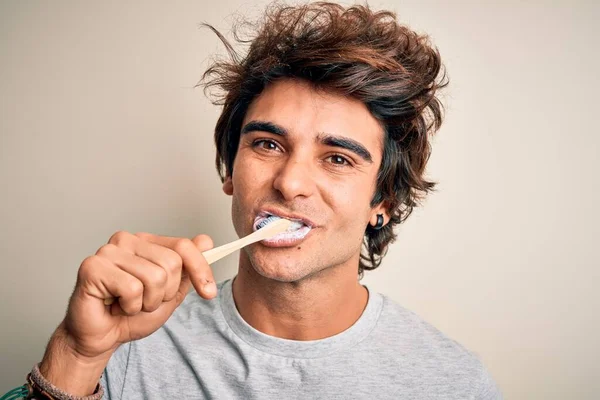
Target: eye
pixel 339 160
pixel 265 144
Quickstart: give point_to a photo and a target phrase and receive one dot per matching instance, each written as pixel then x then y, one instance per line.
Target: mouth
pixel 292 236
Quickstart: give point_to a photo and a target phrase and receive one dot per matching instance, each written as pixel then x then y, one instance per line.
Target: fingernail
pixel 210 288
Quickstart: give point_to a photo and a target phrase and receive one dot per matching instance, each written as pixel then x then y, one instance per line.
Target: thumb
pixel 203 242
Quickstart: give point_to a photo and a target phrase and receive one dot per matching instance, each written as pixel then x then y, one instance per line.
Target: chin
pixel 278 264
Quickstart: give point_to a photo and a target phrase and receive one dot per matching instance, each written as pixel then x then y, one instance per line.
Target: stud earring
pixel 379 223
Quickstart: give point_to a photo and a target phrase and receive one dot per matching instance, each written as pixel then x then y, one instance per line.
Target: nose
pixel 295 178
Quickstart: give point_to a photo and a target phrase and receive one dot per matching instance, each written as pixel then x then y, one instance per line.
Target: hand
pixel 149 275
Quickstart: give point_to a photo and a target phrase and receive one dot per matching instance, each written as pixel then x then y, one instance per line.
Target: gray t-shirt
pixel 207 351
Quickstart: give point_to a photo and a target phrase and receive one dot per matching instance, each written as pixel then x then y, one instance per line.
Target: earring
pixel 379 223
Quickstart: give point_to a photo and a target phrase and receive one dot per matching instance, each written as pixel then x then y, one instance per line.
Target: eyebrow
pixel 263 126
pixel 348 144
pixel 328 140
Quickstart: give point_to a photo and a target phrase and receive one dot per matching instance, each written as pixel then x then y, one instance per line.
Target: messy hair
pixel 354 52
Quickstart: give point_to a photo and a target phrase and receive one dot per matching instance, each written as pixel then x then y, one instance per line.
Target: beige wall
pixel 101 130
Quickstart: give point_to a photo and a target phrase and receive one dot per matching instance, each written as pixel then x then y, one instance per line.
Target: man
pixel 326 122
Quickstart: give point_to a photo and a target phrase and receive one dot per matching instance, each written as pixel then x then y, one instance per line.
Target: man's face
pixel 310 156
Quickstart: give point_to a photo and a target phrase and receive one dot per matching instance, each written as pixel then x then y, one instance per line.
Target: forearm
pixel 69 371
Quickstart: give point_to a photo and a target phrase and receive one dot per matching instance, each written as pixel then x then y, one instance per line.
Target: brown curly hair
pixel 356 52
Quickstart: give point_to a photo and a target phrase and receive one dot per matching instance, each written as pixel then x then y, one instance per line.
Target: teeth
pixel 271 218
pixel 295 226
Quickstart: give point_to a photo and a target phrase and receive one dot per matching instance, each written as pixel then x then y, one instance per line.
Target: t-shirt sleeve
pixel 113 378
pixel 488 390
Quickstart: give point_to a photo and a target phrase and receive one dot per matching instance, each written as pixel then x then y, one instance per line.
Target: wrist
pixel 38 387
pixel 68 370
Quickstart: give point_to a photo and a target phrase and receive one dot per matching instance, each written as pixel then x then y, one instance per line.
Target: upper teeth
pixel 270 218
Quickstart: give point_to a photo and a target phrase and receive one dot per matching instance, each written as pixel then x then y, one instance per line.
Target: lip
pixel 283 239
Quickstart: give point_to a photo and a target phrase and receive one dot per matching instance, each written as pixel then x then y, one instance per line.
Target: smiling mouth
pixel 294 234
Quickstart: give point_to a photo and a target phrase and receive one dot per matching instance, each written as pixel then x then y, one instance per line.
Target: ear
pixel 228 186
pixel 381 208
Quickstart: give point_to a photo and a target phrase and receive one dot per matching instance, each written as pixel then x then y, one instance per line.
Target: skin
pixel 305 291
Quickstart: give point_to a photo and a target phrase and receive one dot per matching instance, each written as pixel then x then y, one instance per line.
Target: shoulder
pixel 400 322
pixel 431 352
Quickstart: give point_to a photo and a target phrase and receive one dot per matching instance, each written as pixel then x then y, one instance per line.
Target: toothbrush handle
pixel 217 253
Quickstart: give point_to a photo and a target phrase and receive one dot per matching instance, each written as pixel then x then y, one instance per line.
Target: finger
pixel 102 279
pixel 204 243
pixel 155 319
pixel 167 259
pixel 194 264
pixel 157 254
pixel 124 240
pixel 153 276
pixel 165 309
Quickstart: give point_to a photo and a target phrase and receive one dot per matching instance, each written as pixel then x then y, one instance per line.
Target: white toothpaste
pixel 297 230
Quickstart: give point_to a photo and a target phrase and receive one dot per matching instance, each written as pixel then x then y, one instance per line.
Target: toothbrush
pixel 212 255
pixel 274 228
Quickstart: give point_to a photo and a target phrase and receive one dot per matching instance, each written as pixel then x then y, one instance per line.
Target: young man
pixel 326 122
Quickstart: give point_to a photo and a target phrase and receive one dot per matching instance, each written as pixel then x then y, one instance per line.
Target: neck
pixel 316 307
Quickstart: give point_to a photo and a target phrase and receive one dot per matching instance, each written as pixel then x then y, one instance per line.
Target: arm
pixel 150 275
pixel 66 370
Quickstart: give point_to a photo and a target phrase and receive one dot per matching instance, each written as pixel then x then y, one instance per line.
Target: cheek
pixel 242 179
pixel 250 181
pixel 246 182
pixel 353 219
pixel 349 201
